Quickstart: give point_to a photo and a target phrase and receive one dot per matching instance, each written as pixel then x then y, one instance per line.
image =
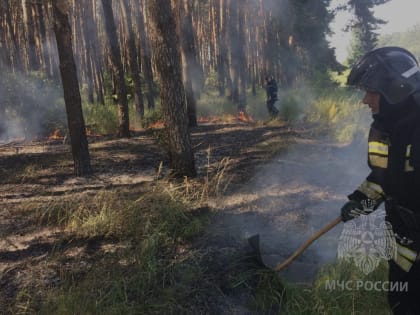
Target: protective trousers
pixel 404 297
pixel 272 110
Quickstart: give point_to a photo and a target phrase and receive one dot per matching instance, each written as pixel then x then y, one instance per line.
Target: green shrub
pixel 100 118
pixel 210 103
pixel 289 108
pixel 151 117
pixel 340 112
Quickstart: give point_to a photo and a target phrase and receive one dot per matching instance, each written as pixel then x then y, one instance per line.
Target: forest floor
pixel 282 182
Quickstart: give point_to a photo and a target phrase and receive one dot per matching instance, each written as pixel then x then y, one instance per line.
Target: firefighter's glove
pixel 353 209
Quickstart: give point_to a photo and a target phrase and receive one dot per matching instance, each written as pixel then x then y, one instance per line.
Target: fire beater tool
pixel 254 242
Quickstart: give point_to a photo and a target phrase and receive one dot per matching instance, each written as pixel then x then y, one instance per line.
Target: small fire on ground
pixel 57 134
pixel 157 125
pixel 228 118
pixel 225 118
pixel 244 117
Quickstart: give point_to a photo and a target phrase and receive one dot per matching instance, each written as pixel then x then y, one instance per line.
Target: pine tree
pixel 167 60
pixel 76 123
pixel 363 27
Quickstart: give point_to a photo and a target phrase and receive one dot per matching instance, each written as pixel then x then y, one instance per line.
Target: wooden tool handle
pixel 305 245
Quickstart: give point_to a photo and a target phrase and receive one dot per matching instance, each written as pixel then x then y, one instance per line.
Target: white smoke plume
pixel 30 106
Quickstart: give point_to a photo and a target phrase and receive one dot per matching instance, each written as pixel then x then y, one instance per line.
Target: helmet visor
pixel 393 74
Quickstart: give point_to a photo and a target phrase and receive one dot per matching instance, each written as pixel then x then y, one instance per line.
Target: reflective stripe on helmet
pixel 410 72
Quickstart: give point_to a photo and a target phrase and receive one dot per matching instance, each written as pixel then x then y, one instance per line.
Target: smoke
pixel 277 9
pixel 294 196
pixel 30 106
pixel 10 129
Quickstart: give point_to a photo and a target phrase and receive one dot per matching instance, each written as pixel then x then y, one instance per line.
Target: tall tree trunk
pixel 117 69
pixel 16 59
pixel 133 58
pixel 233 49
pixel 94 74
pixel 146 57
pixel 86 76
pixel 241 58
pixel 189 59
pixel 42 37
pixel 221 47
pixel 32 59
pixel 75 120
pixel 166 56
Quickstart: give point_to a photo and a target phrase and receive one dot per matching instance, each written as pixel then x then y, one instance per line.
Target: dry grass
pixel 121 251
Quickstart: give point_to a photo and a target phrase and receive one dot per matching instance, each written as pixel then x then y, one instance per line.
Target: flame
pixel 225 118
pixel 55 135
pixel 158 124
pixel 244 117
pixel 91 133
pixel 209 119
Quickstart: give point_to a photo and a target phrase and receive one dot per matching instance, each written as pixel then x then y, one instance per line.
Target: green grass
pixel 349 299
pixel 100 118
pixel 333 109
pixel 143 274
pixel 210 103
pixel 103 119
pixel 341 78
pixel 341 113
pixel 274 295
pixel 141 263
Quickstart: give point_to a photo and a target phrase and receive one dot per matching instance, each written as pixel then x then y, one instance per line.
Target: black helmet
pixel 392 72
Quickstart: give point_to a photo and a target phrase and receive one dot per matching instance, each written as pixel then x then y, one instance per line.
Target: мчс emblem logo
pixel 366 240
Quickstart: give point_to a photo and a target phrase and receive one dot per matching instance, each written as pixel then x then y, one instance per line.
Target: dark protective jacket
pixel 271 90
pixel 394 160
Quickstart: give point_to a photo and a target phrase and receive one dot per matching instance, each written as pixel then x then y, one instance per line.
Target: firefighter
pixel 390 78
pixel 271 90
